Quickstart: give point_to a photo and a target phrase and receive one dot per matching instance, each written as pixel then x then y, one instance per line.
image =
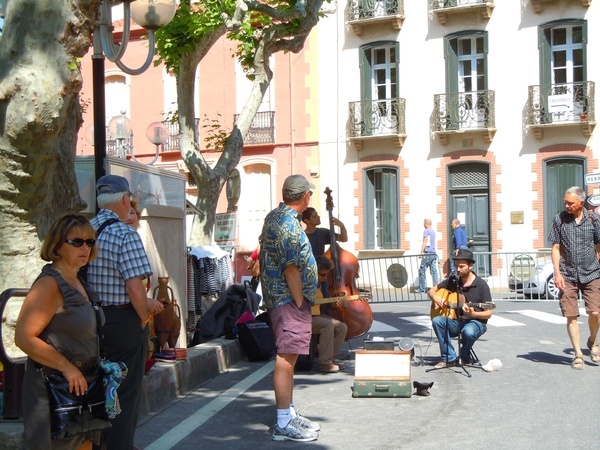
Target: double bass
pixel 356 314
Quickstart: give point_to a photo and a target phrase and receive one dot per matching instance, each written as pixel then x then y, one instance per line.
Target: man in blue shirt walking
pixel 459 240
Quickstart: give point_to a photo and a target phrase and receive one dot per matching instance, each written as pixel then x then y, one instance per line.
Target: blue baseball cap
pixel 112 184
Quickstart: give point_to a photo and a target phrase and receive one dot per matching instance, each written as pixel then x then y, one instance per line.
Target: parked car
pixel 534 278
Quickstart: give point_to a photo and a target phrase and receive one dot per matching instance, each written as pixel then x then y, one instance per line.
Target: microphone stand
pixel 459 291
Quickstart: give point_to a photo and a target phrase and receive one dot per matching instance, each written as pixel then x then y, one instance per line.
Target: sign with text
pixel 594 200
pixel 592 178
pixel 226 226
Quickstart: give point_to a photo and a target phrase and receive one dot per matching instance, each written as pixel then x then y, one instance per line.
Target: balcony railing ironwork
pixel 111 144
pixel 463 111
pixel 441 4
pixel 561 103
pixel 369 9
pixel 172 143
pixel 385 117
pixel 262 130
pixel 442 8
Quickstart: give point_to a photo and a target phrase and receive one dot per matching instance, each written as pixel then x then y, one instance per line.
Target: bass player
pixel 332 332
pixel 473 310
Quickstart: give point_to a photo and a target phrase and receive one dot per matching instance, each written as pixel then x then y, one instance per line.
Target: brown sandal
pixel 594 351
pixel 577 363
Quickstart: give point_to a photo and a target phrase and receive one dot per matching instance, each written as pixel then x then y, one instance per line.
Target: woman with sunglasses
pixel 57 327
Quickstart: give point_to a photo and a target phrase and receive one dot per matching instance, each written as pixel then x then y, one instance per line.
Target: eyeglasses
pixel 323 274
pixel 78 242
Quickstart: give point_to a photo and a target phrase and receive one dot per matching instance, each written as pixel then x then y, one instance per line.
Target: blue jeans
pixel 429 260
pixel 445 328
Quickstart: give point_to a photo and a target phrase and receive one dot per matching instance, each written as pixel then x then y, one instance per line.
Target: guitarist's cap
pixel 465 254
pixel 297 184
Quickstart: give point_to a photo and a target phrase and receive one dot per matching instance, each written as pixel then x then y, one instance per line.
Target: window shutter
pixel 451 55
pixel 485 60
pixel 389 208
pixel 584 38
pixel 545 56
pixel 366 88
pixel 560 174
pixel 369 209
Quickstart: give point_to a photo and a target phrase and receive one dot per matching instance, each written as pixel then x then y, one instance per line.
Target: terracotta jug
pixel 166 323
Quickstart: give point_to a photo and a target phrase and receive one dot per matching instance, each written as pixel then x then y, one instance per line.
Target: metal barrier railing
pixel 14 367
pixel 510 276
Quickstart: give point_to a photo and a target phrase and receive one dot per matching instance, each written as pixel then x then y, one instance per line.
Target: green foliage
pixel 173 115
pixel 192 22
pixel 216 135
pixel 84 104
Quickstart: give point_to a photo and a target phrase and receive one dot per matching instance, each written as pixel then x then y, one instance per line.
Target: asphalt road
pixel 534 401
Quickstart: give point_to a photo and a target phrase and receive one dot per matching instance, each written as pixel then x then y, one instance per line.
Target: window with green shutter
pixel 466 80
pixel 381 208
pixel 563 70
pixel 559 175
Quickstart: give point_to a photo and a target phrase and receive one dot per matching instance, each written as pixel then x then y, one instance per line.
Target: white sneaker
pixel 307 424
pixel 293 431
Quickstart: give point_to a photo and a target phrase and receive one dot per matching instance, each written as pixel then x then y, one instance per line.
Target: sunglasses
pixel 78 242
pixel 323 274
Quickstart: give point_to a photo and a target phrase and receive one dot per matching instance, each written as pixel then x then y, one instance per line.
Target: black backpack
pixel 219 320
pixel 84 270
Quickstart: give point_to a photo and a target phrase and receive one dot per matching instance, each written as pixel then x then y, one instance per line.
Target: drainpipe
pixel 292 129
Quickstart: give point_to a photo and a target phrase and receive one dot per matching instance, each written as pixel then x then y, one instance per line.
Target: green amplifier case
pixel 382 373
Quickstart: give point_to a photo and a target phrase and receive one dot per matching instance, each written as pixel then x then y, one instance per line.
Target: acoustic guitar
pixel 316 310
pixel 455 301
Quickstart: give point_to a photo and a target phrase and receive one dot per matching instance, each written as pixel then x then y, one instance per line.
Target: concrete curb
pixel 164 383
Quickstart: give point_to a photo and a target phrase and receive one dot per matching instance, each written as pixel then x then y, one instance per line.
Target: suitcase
pixel 382 373
pixel 256 339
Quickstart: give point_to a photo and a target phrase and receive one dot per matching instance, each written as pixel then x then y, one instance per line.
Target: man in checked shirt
pixel 575 238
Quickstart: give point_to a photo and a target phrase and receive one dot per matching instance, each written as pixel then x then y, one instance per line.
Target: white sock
pixel 284 416
pixel 293 410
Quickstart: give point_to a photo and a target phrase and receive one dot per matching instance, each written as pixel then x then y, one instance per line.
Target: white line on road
pixel 497 321
pixel 380 327
pixel 424 321
pixel 540 315
pixel 175 435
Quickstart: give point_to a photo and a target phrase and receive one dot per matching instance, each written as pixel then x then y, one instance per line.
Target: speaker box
pixel 379 345
pixel 382 373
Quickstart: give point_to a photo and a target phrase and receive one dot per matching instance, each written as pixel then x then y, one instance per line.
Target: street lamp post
pixel 149 14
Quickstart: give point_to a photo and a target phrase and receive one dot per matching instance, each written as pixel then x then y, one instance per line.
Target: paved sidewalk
pixel 164 383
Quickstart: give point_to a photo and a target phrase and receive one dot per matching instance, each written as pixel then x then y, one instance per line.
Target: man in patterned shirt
pixel 117 275
pixel 289 281
pixel 575 238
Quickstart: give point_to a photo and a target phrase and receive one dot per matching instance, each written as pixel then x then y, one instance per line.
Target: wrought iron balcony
pixel 460 112
pixel 118 149
pixel 537 4
pixel 262 130
pixel 172 143
pixel 377 119
pixel 444 8
pixel 552 105
pixel 360 13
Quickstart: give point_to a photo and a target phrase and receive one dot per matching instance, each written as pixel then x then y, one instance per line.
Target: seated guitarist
pixel 473 320
pixel 332 332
